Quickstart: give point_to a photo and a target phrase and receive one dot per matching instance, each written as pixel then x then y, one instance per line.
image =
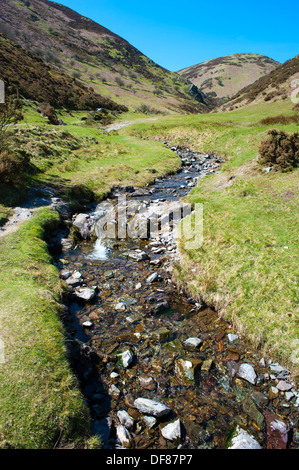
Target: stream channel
pixel 135 336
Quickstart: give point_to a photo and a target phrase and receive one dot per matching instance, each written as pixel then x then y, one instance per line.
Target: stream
pixel 159 370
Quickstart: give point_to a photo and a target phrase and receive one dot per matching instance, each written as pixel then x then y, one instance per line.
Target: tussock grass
pixel 41 405
pixel 247 266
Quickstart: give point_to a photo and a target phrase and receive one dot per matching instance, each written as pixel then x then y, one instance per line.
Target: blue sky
pixel 180 34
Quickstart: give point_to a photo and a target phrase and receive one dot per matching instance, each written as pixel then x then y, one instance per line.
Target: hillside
pixel 276 86
pixel 99 58
pixel 223 77
pixel 38 81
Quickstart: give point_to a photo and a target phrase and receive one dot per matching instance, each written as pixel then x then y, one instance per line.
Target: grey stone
pixel 172 431
pixel 284 386
pixel 192 343
pixel 151 407
pixel 247 372
pixel 85 225
pixel 232 338
pixel 85 293
pixel 123 435
pixel 125 419
pixel 150 421
pixel 153 277
pixel 125 358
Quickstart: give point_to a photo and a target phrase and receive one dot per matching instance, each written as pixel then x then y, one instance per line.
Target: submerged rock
pixel 277 431
pixel 184 371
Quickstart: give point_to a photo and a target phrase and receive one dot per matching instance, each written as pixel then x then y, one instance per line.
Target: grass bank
pixel 83 154
pixel 247 266
pixel 41 405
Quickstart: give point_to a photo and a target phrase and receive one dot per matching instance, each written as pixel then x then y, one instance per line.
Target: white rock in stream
pixel 125 419
pixel 192 343
pixel 172 431
pixel 149 421
pixel 125 358
pixel 151 407
pixel 243 440
pixel 85 293
pixel 120 307
pixel 232 338
pixel 152 278
pixel 123 436
pixel 246 372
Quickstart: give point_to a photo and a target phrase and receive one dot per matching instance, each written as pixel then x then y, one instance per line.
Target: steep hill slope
pixel 38 81
pixel 94 55
pixel 223 77
pixel 276 86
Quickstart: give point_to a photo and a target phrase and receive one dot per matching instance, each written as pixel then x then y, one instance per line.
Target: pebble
pixel 232 338
pixel 153 277
pixel 284 386
pixel 114 392
pixel 149 421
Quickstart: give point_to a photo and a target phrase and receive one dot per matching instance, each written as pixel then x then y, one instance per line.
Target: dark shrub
pixel 49 112
pixel 280 150
pixel 13 167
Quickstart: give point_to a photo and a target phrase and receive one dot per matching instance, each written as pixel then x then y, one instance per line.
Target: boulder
pixel 84 224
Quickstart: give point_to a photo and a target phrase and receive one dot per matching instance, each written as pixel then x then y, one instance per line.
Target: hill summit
pixel 223 77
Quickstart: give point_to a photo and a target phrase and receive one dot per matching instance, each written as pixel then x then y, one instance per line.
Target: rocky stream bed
pixel 157 369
